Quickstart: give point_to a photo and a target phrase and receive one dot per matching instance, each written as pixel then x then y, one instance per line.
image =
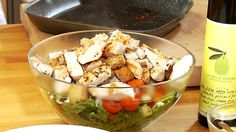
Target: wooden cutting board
pixel 190 34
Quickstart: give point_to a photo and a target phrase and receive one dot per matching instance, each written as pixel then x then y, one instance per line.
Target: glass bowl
pixel 76 105
pixel 224 113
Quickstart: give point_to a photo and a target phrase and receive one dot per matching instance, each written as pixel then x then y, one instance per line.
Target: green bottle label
pixel 218 82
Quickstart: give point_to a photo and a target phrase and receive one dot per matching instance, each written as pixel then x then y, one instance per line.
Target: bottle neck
pixel 223 11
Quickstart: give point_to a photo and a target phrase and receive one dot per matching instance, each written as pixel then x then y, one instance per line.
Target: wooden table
pixel 22 104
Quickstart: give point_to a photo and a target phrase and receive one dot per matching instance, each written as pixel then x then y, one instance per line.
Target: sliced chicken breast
pixel 96 76
pixel 73 66
pixel 112 91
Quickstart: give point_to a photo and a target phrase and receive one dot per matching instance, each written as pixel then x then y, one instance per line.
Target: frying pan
pixel 155 17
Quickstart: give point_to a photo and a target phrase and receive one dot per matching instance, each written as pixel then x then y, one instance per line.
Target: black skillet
pixel 155 17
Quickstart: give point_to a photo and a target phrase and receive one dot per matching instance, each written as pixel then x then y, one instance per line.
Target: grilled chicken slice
pixel 41 67
pixel 182 66
pixel 56 58
pixel 118 36
pixel 131 55
pixel 93 65
pixel 92 53
pixel 140 53
pixel 115 48
pixel 85 42
pixel 73 66
pixel 78 50
pixel 146 76
pixel 170 61
pixel 132 44
pixel 96 76
pixel 112 91
pixel 44 68
pixel 145 63
pixel 61 73
pixel 135 67
pixel 158 73
pixel 155 57
pixel 102 37
pixel 35 61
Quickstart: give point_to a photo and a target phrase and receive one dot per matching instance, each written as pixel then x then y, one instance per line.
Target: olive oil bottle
pixel 218 82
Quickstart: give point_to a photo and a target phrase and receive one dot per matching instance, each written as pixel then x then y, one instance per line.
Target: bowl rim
pixel 103 31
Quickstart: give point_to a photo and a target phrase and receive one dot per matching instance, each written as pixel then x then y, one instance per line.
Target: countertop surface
pixel 22 104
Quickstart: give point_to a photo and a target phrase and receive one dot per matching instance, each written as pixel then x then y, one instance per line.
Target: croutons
pixel 115 61
pixel 135 67
pixel 124 74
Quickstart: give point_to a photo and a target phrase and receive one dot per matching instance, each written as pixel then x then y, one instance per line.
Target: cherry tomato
pixel 111 106
pixel 130 104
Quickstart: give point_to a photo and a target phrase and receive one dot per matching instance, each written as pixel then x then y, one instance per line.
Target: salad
pixel 112 81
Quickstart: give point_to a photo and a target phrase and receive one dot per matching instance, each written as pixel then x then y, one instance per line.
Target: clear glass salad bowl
pixel 76 105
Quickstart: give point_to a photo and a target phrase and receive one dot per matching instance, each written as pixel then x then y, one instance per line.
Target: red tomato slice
pixel 111 106
pixel 130 104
